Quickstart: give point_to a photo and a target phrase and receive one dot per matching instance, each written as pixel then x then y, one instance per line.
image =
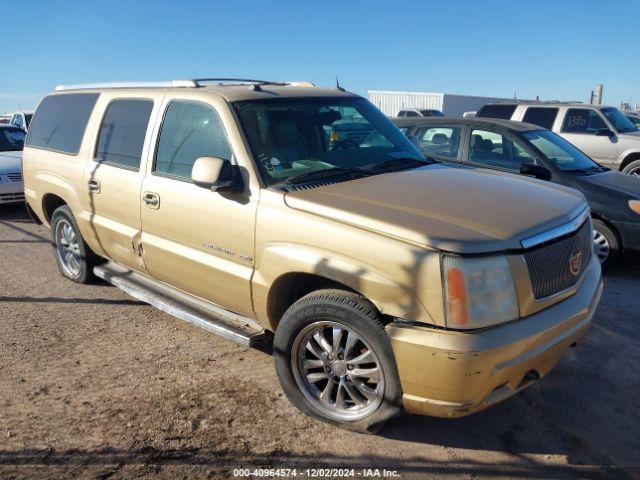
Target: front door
pixel 113 179
pixel 580 127
pixel 195 239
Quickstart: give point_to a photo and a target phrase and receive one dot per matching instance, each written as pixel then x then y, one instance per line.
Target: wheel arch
pixel 627 159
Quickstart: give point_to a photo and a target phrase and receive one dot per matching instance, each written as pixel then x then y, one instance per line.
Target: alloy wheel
pixel 601 246
pixel 68 248
pixel 337 371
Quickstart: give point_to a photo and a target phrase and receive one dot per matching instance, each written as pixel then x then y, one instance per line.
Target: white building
pixel 451 105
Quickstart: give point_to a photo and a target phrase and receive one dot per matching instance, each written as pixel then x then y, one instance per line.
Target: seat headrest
pixel 285 133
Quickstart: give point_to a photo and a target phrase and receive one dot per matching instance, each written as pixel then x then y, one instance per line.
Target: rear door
pixel 113 177
pixel 580 126
pixel 439 141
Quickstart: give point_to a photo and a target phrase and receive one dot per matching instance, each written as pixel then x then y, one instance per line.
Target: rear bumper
pixel 10 192
pixel 451 374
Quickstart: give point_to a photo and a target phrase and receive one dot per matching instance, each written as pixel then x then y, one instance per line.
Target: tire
pixel 606 244
pixel 75 260
pixel 363 361
pixel 632 169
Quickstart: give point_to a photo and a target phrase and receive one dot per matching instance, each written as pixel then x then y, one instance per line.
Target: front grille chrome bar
pixel 556 232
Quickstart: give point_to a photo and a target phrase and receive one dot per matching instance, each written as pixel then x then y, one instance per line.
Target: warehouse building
pixel 451 105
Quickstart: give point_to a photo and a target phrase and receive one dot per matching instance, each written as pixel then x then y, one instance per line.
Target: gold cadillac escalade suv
pixel 301 218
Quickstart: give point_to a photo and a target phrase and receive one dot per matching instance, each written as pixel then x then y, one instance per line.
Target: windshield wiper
pixel 317 174
pixel 400 163
pixel 593 168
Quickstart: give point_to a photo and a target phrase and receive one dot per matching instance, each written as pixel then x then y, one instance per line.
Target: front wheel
pixel 633 169
pixel 335 362
pixel 606 244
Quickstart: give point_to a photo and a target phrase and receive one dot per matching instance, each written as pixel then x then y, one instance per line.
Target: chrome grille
pixel 15 177
pixel 554 267
pixel 11 197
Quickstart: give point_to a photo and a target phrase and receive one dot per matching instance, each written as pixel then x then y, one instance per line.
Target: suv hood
pixel 631 135
pixel 10 162
pixel 450 209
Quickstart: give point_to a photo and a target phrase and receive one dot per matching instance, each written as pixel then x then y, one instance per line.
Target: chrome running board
pixel 178 304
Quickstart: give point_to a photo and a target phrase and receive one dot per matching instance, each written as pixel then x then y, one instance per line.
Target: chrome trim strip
pixel 556 232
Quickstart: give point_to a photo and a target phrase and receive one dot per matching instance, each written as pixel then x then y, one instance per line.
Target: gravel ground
pixel 94 384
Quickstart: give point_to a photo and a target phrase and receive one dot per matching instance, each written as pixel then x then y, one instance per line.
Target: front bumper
pixel 630 233
pixel 11 191
pixel 451 374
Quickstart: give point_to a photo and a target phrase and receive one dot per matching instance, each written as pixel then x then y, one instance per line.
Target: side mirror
pixel 534 170
pixel 216 174
pixel 604 132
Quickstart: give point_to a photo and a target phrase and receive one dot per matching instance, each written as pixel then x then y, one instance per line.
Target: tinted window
pixel 27 118
pixel 582 120
pixel 122 132
pixel 444 141
pixel 563 154
pixel 543 117
pixel 621 123
pixel 497 111
pixel 11 139
pixel 190 130
pixel 431 113
pixel 495 150
pixel 411 113
pixel 60 121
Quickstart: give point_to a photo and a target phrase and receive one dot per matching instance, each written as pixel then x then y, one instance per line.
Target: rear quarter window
pixel 60 122
pixel 543 117
pixel 497 111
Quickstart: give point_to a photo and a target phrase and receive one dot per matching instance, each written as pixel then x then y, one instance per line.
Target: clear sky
pixel 555 49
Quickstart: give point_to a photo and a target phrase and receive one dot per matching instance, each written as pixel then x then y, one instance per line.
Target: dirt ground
pixel 94 384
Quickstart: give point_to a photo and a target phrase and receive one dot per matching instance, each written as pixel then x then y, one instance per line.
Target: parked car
pixel 420 112
pixel 4 119
pixel 387 281
pixel 633 117
pixel 11 144
pixel 526 149
pixel 21 119
pixel 603 133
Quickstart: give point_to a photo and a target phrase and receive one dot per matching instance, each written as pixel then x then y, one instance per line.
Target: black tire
pixel 611 238
pixel 633 168
pixel 359 316
pixel 87 259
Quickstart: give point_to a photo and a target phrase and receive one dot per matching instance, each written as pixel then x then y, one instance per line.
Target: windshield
pixel 562 153
pixel 432 113
pixel 293 138
pixel 620 122
pixel 11 139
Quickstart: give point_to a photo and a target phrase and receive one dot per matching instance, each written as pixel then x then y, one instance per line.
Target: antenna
pixel 338 87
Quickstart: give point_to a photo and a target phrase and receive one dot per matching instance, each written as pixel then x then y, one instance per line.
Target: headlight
pixel 479 291
pixel 635 205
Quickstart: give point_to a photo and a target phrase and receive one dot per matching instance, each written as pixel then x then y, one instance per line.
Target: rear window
pixel 543 117
pixel 60 122
pixel 497 111
pixel 122 133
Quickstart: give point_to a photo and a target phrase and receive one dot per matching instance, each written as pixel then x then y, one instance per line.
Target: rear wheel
pixel 606 244
pixel 633 168
pixel 74 257
pixel 335 362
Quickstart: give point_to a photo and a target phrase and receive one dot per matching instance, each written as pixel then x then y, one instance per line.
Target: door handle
pixel 94 185
pixel 151 200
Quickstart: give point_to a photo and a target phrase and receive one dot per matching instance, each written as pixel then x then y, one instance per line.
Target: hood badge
pixel 575 262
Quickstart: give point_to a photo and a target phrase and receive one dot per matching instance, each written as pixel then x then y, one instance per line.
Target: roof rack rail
pixel 90 86
pixel 192 83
